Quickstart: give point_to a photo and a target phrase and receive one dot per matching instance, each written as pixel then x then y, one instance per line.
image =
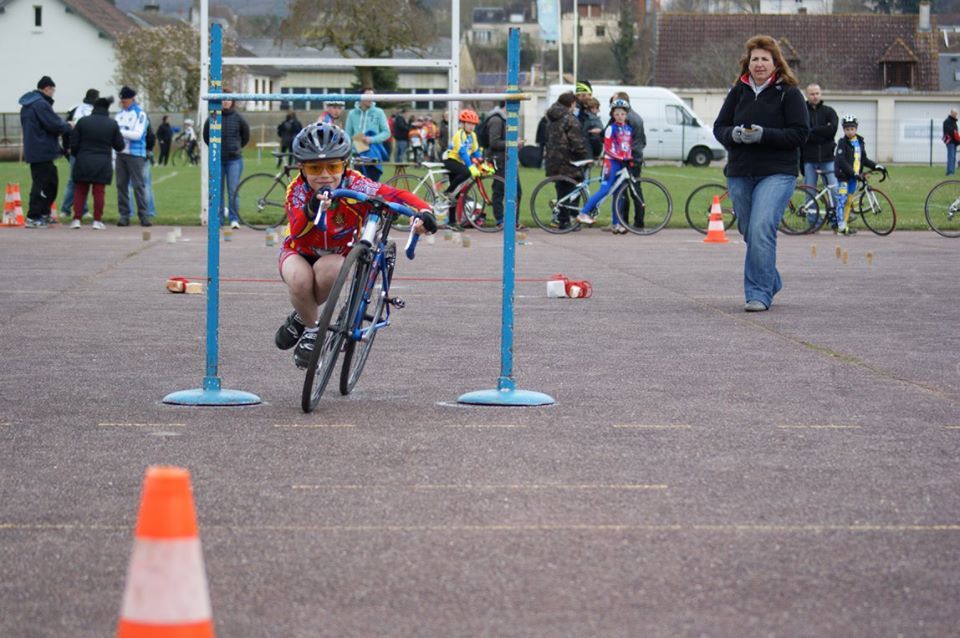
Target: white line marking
pixel 484 487
pixel 141 425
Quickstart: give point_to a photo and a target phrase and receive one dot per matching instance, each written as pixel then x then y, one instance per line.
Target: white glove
pixel 752 135
pixel 738 134
pixel 879 167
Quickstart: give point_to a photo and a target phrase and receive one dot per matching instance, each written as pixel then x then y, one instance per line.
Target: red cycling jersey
pixel 344 218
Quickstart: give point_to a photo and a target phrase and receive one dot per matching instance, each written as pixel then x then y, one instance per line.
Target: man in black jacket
pixel 951 137
pixel 817 153
pixel 42 129
pixel 496 122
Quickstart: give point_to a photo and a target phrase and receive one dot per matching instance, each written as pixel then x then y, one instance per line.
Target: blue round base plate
pixel 506 397
pixel 200 396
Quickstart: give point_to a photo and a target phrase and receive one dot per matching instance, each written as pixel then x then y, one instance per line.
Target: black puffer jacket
pixel 781 111
pixel 823 133
pixel 235 134
pixel 844 159
pixel 93 140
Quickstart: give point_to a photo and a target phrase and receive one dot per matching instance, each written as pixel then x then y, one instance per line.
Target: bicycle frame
pixel 378 243
pixel 583 188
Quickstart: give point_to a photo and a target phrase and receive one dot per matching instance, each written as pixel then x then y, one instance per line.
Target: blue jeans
pixel 232 170
pixel 148 186
pixel 401 155
pixel 951 159
pixel 760 202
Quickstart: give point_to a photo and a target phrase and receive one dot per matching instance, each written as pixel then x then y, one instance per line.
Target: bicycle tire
pixel 880 218
pixel 657 206
pixel 421 189
pixel 802 214
pixel 699 203
pixel 544 209
pixel 942 208
pixel 475 203
pixel 262 200
pixel 179 157
pixel 334 326
pixel 373 313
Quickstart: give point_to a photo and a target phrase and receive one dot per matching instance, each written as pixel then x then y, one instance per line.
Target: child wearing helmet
pixel 310 257
pixel 617 151
pixel 463 156
pixel 851 157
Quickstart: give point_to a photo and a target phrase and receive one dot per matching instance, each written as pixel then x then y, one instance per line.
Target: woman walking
pixel 762 123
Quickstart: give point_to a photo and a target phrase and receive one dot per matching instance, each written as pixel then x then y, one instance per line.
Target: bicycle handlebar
pixel 429 221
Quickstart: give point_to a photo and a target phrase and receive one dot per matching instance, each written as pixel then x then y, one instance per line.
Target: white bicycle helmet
pixel 321 141
pixel 848 120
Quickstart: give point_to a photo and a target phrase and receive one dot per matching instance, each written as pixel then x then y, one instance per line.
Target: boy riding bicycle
pixel 312 254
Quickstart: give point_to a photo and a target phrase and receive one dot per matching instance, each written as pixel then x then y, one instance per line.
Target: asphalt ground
pixel 704 472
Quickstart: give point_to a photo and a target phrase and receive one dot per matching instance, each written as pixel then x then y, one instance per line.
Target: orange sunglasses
pixel 332 167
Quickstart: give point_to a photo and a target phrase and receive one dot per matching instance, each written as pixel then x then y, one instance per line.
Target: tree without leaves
pixel 163 65
pixel 358 28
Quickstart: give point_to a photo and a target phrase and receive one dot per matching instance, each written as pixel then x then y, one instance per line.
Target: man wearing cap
pixel 133 127
pixel 74 115
pixel 42 129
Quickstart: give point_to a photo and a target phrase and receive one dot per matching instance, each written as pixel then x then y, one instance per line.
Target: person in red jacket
pixel 310 257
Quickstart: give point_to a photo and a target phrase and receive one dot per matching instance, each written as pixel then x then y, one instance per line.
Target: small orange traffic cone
pixel 715 232
pixel 12 211
pixel 53 213
pixel 166 594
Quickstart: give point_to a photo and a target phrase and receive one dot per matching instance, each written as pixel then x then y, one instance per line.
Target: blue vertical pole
pixel 211 392
pixel 506 392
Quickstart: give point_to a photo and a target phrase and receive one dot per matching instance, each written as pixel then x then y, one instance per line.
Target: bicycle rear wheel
pixel 877 212
pixel 651 204
pixel 547 211
pixel 373 306
pixel 336 322
pixel 802 214
pixel 697 208
pixel 262 201
pixel 475 203
pixel 942 208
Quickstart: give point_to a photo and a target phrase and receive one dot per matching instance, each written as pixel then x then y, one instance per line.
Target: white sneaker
pixel 583 218
pixel 234 224
pixel 75 223
pixel 97 225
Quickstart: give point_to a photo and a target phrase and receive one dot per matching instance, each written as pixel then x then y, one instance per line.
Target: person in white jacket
pixel 133 128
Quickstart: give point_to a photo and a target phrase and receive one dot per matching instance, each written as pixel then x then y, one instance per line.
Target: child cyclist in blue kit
pixel 617 151
pixel 850 160
pixel 311 256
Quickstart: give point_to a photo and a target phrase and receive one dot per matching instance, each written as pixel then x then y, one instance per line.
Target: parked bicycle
pixel 473 199
pixel 700 203
pixel 942 208
pixel 648 194
pixel 359 303
pixel 809 210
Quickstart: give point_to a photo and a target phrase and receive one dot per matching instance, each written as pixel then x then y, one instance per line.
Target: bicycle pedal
pixel 397 302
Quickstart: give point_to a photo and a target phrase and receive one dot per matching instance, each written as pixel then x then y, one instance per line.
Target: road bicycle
pixel 870 205
pixel 472 200
pixel 359 303
pixel 700 203
pixel 185 152
pixel 550 211
pixel 263 196
pixel 942 208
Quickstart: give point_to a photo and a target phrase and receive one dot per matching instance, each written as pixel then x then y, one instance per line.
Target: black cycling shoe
pixel 289 333
pixel 301 356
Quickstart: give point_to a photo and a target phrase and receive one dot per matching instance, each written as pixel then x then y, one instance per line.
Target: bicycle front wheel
pixel 877 212
pixel 475 203
pixel 697 208
pixel 335 325
pixel 179 157
pixel 262 201
pixel 555 215
pixel 942 208
pixel 802 214
pixel 651 204
pixel 370 311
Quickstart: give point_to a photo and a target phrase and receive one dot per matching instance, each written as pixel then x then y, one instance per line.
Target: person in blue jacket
pixel 42 129
pixel 763 123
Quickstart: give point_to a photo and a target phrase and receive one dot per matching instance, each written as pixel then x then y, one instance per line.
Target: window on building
pixel 601 32
pixel 482 36
pixel 37 16
pixel 898 74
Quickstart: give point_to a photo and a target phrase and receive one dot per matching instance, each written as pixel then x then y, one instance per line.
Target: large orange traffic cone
pixel 715 232
pixel 166 594
pixel 12 209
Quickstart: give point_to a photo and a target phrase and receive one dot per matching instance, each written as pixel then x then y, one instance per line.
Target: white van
pixel 673 131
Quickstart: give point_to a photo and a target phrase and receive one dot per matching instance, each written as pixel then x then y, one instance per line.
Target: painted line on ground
pixel 160 180
pixel 141 425
pixel 952 427
pixel 314 426
pixel 735 528
pixel 517 487
pixel 652 426
pixel 478 426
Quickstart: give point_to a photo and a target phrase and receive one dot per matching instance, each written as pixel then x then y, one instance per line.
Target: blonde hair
pixel 767 43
